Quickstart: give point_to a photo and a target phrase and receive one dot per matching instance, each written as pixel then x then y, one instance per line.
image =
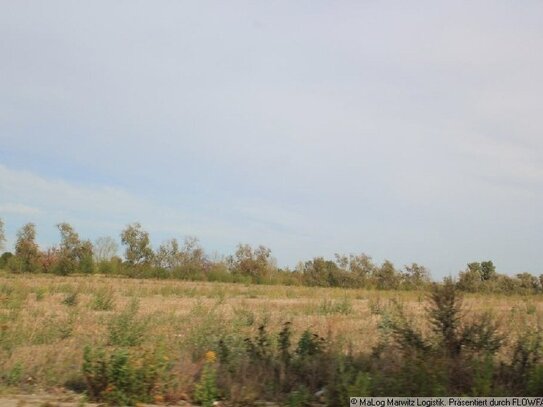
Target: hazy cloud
pixel 406 130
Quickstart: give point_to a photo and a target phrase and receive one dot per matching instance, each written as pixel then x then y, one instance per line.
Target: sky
pixel 409 131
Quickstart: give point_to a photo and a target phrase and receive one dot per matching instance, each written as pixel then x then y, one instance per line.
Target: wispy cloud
pixel 408 132
pixel 15 208
pixel 103 209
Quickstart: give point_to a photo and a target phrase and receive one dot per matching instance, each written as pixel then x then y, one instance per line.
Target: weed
pixel 299 397
pixel 125 328
pixel 13 376
pixel 120 377
pixel 244 317
pixel 375 305
pixel 103 300
pixel 71 299
pixel 343 307
pixel 40 293
pixel 310 344
pixel 206 391
pixel 531 308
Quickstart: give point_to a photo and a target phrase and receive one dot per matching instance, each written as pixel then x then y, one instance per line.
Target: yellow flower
pixel 211 356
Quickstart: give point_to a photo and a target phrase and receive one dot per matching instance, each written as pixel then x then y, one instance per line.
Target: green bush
pixel 206 391
pixel 299 397
pixel 126 328
pixel 120 377
pixel 343 307
pixel 4 258
pixel 103 300
pixel 13 376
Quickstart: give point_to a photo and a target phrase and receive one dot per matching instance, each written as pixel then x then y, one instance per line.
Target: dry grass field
pixel 46 321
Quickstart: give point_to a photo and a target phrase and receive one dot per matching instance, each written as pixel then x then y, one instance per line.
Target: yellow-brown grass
pixel 44 336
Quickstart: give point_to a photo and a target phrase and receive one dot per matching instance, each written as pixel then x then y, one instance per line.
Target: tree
pixel 4 259
pixel 168 255
pixel 86 257
pixel 445 316
pixel 325 273
pixel 471 278
pixel 75 255
pixel 2 235
pixel 475 268
pixel 528 282
pixel 416 276
pixel 488 270
pixel 26 249
pixel 387 277
pixel 476 275
pixel 105 248
pixel 360 266
pixel 138 245
pixel 192 253
pixel 256 263
pixel 191 256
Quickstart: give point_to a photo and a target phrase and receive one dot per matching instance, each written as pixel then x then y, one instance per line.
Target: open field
pixel 47 321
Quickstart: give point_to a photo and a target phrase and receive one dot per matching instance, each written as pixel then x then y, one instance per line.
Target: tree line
pixel 188 260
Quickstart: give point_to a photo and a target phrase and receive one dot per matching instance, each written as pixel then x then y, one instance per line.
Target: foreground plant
pixel 122 377
pixel 206 391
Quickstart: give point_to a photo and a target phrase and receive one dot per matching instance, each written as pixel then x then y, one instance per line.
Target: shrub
pixel 523 373
pixel 13 376
pixel 456 358
pixel 103 300
pixel 299 397
pixel 125 328
pixel 4 258
pixel 206 391
pixel 121 377
pixel 40 293
pixel 343 307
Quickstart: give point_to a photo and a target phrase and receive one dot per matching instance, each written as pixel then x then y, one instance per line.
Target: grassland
pixel 47 321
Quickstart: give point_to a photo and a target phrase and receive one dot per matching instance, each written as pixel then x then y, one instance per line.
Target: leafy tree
pixel 86 257
pixel 69 244
pixel 191 256
pixel 50 260
pixel 74 254
pixel 488 270
pixel 416 276
pixel 256 263
pixel 478 276
pixel 138 245
pixel 5 258
pixel 105 248
pixel 321 272
pixel 470 279
pixel 475 268
pixel 168 255
pixel 26 249
pixel 2 235
pixel 192 252
pixel 528 282
pixel 360 266
pixel 386 276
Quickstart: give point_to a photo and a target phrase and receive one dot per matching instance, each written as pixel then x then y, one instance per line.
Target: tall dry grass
pixel 47 321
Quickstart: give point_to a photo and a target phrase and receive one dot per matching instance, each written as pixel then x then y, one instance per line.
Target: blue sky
pixel 410 131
